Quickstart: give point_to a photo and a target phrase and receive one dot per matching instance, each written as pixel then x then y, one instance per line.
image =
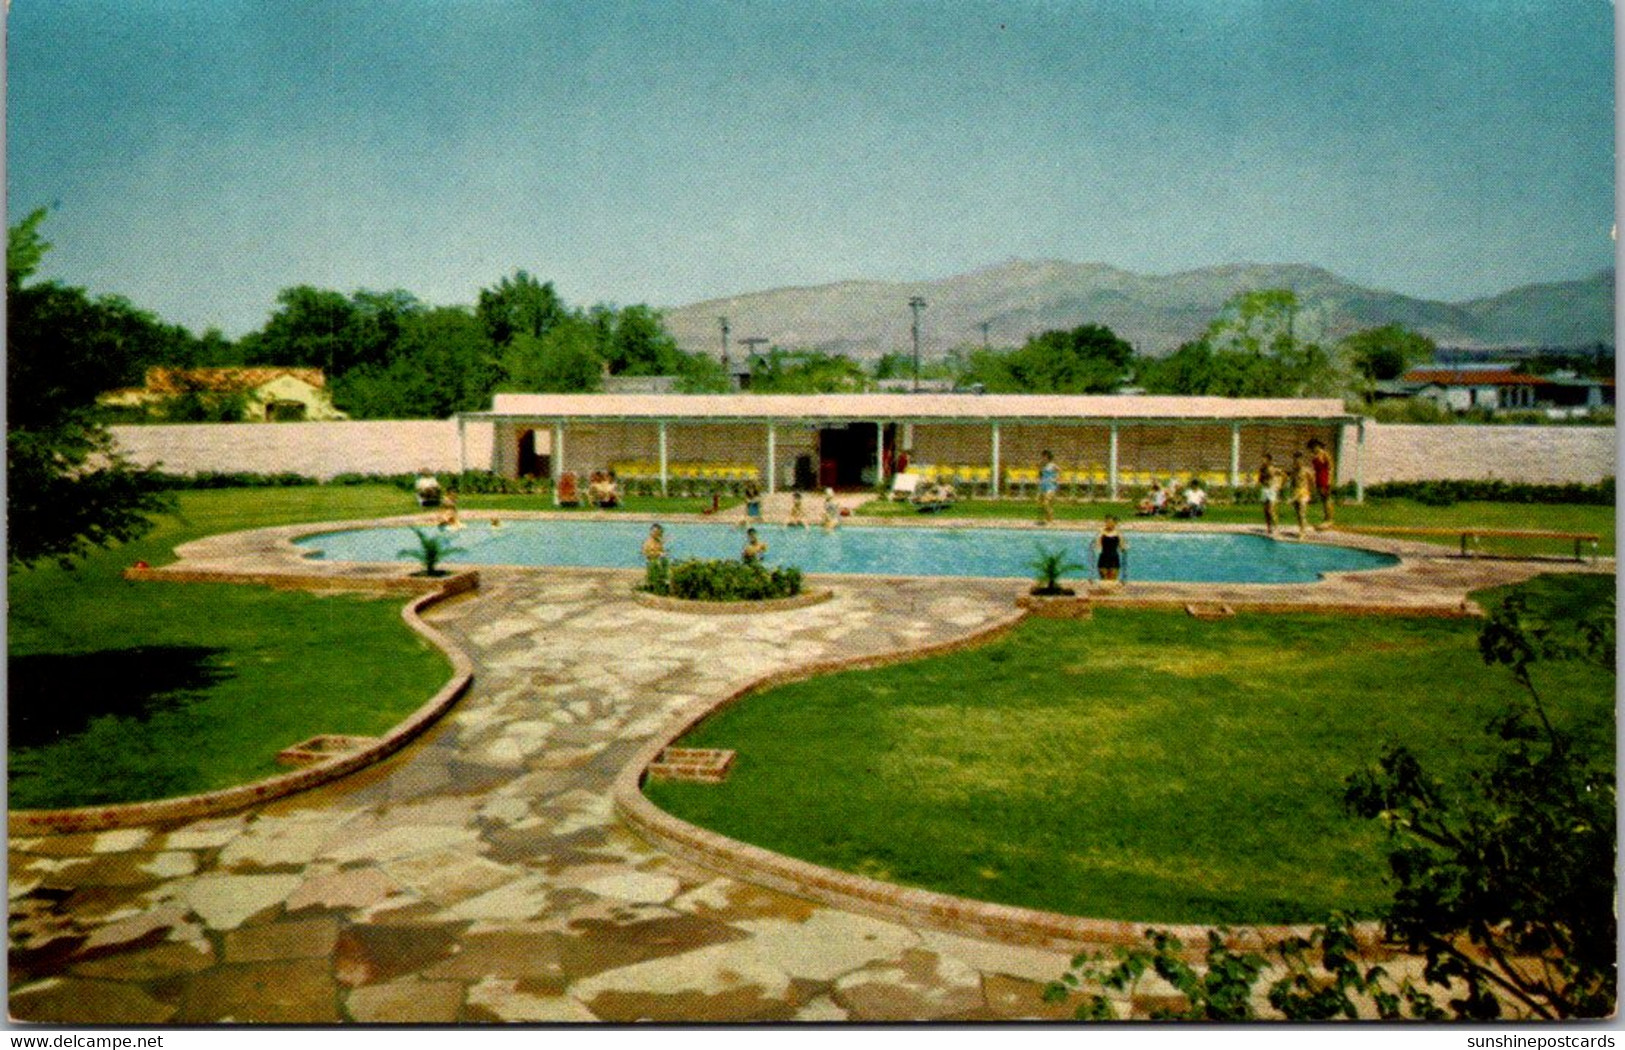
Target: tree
pixel 639 344
pixel 440 363
pixel 1384 353
pixel 68 489
pixel 565 360
pixel 805 372
pixel 314 328
pixel 520 306
pixel 1251 349
pixel 1090 359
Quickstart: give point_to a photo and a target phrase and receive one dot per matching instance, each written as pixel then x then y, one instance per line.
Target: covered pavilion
pixel 856 440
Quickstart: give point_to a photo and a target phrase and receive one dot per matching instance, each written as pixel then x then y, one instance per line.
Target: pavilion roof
pixel 907 407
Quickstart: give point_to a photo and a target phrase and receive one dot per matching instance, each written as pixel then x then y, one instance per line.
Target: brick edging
pixel 886 900
pixel 212 803
pixel 732 608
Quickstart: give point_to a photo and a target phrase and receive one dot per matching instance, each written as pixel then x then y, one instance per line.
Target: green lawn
pixel 1143 765
pixel 122 691
pixel 1559 517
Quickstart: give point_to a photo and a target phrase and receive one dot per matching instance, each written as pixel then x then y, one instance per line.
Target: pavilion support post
pixel 557 458
pixel 1111 463
pixel 772 458
pixel 1359 462
pixel 1235 458
pixel 994 485
pixel 664 452
pixel 880 453
pixel 462 445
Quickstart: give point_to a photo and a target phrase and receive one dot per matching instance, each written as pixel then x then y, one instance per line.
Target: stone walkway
pixel 481 876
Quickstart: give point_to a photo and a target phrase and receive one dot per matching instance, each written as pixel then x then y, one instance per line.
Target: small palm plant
pixel 1049 567
pixel 432 547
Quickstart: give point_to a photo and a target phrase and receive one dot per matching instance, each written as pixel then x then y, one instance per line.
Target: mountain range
pixel 865 319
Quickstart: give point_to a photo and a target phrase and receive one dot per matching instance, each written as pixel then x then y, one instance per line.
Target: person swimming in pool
pixel 754 549
pixel 654 548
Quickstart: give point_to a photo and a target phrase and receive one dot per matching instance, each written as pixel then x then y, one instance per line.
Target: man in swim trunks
pixel 754 549
pixel 1269 487
pixel 1320 458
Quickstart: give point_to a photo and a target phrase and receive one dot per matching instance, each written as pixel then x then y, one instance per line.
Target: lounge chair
pixel 932 499
pixel 567 494
pixel 904 486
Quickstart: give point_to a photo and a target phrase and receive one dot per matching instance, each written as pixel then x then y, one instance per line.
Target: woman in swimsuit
pixel 1111 547
pixel 1303 491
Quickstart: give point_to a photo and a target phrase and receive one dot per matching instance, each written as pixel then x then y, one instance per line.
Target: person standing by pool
pixel 1303 491
pixel 795 520
pixel 1049 482
pixel 832 511
pixel 1110 547
pixel 753 504
pixel 1269 487
pixel 1321 459
pixel 754 549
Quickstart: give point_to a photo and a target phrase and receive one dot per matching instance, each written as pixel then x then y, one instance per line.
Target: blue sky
pixel 202 155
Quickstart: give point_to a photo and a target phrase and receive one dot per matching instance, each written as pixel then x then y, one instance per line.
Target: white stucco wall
pixel 318 450
pixel 1534 454
pixel 1393 452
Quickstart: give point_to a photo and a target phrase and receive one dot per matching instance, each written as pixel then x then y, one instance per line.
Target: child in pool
pixel 654 548
pixel 832 510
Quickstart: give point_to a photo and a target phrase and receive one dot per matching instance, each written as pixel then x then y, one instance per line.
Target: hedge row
pixel 1444 493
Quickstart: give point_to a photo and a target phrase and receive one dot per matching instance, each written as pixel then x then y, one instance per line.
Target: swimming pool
pixel 1186 557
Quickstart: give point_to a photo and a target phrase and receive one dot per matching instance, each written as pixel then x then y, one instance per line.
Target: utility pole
pixel 723 321
pixel 916 304
pixel 984 326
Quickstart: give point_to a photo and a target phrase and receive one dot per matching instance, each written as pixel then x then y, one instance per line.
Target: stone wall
pixel 1392 452
pixel 318 450
pixel 1534 454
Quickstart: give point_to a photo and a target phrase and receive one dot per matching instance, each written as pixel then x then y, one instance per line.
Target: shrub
pixel 719 580
pixel 657 576
pixel 1444 493
pixel 432 546
pixel 1049 566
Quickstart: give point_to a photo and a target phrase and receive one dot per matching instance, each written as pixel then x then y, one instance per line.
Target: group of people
pixel 1179 501
pixel 797 517
pixel 654 546
pixel 1308 478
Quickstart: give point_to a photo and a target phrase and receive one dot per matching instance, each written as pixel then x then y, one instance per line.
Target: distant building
pixel 1493 387
pixel 269 394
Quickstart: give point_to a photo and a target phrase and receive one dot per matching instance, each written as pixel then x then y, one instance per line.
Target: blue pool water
pixel 1188 557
